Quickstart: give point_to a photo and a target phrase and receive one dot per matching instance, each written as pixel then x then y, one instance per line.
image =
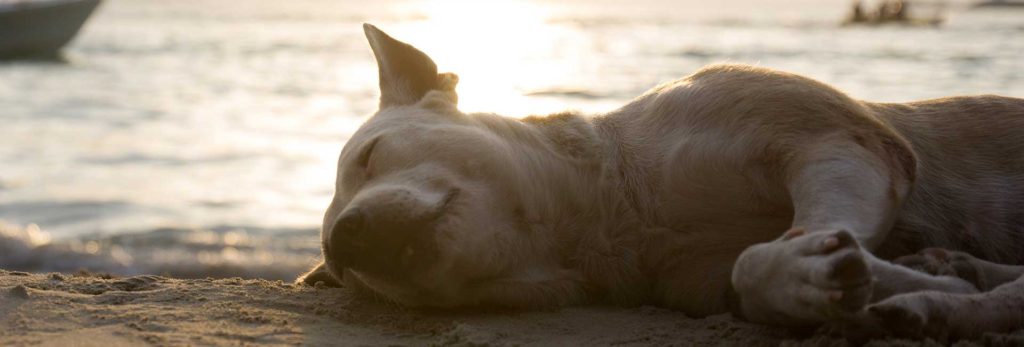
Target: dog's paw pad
pixel 840 269
pixel 850 268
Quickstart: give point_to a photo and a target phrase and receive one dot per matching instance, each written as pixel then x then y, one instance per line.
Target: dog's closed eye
pixel 364 157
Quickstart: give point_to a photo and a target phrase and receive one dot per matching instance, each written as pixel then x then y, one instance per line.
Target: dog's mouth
pixel 394 263
pixel 404 291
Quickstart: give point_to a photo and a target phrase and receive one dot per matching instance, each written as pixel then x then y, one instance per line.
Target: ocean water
pixel 199 137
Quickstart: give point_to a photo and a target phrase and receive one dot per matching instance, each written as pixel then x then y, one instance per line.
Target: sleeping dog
pixel 737 188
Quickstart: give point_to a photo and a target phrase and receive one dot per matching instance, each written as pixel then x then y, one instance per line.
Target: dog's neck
pixel 602 223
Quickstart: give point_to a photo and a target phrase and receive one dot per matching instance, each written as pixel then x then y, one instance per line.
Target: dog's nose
pixel 348 236
pixel 374 242
pixel 349 227
pixel 387 231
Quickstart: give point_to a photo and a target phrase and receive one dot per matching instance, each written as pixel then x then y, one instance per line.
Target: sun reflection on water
pixel 500 49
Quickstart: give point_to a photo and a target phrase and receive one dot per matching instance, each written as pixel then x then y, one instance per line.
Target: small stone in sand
pixel 20 291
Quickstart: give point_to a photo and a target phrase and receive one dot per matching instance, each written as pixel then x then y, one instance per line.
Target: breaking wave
pixel 179 252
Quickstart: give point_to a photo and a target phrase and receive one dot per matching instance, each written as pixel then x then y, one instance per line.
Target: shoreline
pixel 91 310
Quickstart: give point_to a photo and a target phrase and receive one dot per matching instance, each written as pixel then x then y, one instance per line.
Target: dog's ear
pixel 406 73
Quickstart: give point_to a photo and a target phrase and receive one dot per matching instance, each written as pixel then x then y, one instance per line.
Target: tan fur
pixel 943 316
pixel 677 197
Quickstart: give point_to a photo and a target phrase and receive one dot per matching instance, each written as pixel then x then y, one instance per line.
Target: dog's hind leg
pixel 984 275
pixel 845 191
pixel 946 316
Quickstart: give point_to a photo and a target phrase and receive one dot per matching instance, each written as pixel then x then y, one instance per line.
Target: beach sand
pixel 90 310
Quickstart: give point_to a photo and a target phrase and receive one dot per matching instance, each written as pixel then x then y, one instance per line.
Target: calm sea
pixel 199 137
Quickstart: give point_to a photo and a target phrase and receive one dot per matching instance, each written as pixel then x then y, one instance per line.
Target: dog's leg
pixel 844 197
pixel 949 317
pixel 318 274
pixel 982 274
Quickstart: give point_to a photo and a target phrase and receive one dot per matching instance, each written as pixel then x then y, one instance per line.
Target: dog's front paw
pixel 318 274
pixel 803 278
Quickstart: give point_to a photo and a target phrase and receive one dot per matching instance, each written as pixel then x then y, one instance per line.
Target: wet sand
pixel 89 310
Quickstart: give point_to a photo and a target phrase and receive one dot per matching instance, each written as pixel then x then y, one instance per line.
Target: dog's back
pixel 969 189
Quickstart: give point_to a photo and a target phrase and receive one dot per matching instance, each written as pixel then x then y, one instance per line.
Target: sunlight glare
pixel 498 49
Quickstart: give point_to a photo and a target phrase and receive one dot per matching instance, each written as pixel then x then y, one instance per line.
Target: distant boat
pixel 1000 3
pixel 40 28
pixel 929 22
pixel 895 12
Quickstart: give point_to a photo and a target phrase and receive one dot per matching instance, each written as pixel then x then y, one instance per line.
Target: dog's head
pixel 432 206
